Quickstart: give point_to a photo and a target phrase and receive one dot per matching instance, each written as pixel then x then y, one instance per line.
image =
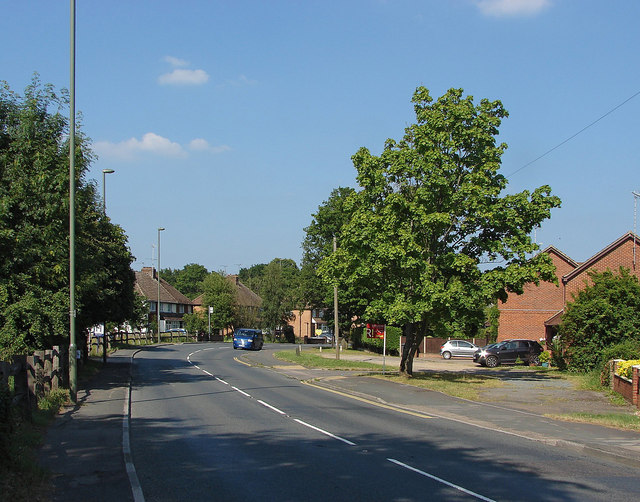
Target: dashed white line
pixel 271 407
pixel 240 391
pixel 324 432
pixel 440 480
pixel 221 381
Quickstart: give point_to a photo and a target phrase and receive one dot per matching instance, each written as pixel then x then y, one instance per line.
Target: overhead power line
pixel 576 134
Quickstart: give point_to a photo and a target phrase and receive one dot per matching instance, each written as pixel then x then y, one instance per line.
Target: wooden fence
pixel 36 375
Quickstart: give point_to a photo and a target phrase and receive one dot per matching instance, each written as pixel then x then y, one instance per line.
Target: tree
pixel 187 280
pixel 219 294
pixel 34 228
pixel 279 292
pixel 430 213
pixel 605 313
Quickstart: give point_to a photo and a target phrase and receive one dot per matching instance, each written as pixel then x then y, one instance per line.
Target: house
pixel 173 304
pixel 308 323
pixel 249 303
pixel 537 312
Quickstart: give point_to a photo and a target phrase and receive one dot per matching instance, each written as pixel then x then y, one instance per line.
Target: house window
pixel 181 309
pixel 152 306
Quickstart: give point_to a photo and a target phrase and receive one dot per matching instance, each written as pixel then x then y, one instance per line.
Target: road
pixel 204 426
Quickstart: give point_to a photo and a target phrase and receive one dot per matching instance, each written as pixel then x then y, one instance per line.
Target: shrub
pixel 624 369
pixel 360 340
pixel 544 357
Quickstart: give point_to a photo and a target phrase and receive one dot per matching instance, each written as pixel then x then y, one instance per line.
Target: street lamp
pixel 104 212
pixel 104 197
pixel 160 229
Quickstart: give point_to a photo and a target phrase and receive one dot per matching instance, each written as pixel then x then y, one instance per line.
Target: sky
pixel 228 122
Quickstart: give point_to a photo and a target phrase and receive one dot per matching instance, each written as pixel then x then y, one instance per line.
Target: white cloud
pixel 202 145
pixel 184 77
pixel 150 143
pixel 504 8
pixel 177 62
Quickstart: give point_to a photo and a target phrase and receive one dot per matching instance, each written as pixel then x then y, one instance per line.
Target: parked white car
pixel 457 348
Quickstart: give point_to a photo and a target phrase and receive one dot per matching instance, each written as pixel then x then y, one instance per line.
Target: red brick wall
pixel 302 323
pixel 523 316
pixel 622 256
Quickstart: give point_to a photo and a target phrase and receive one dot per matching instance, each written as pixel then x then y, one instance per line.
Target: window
pixel 152 306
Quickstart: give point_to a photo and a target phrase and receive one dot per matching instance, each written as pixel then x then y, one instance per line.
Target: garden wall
pixel 625 387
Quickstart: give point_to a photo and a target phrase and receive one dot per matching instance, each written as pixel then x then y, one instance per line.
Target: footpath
pixel 83 448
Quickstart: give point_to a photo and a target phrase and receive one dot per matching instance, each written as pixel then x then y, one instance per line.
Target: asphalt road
pixel 204 426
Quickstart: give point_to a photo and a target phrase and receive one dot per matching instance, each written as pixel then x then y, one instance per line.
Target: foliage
pixel 34 228
pixel 278 289
pixel 219 294
pixel 625 368
pixel 605 313
pixel 545 356
pixel 492 320
pixel 360 340
pixel 186 280
pixel 429 214
pixel 198 322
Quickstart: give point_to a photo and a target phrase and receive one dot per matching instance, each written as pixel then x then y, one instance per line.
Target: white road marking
pixel 271 407
pixel 240 391
pixel 440 480
pixel 221 381
pixel 324 432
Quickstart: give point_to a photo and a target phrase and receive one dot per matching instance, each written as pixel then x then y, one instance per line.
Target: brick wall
pixel 523 316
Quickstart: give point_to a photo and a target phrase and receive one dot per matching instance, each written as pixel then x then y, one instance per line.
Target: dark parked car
pixel 508 352
pixel 244 338
pixel 457 348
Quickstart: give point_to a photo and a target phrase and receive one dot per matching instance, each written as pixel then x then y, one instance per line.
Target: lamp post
pixel 104 196
pixel 73 362
pixel 104 212
pixel 160 229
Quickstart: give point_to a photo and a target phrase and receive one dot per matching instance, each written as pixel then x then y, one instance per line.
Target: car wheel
pixel 492 361
pixel 446 355
pixel 534 360
pixel 235 348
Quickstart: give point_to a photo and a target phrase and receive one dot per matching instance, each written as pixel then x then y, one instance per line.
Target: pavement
pixel 85 448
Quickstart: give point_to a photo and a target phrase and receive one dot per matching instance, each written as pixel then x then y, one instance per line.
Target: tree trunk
pixel 412 342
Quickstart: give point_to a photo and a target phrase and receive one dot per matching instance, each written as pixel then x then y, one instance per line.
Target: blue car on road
pixel 244 338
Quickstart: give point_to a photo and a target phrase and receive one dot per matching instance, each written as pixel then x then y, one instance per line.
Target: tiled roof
pixel 246 297
pixel 615 244
pixel 147 286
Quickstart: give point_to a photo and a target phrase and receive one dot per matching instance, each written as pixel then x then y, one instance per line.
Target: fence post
pixel 634 385
pixel 612 369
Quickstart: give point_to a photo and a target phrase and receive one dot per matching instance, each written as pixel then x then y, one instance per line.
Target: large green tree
pixel 34 228
pixel 187 280
pixel 430 214
pixel 605 313
pixel 219 294
pixel 279 291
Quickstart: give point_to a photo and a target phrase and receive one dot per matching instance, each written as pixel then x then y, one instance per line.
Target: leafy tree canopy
pixel 430 212
pixel 605 313
pixel 219 294
pixel 186 280
pixel 34 228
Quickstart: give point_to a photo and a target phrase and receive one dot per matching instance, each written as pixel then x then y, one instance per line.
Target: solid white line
pixel 324 432
pixel 240 391
pixel 136 489
pixel 440 480
pixel 271 407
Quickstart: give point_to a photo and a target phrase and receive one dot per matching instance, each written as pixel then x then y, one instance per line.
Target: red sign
pixel 375 330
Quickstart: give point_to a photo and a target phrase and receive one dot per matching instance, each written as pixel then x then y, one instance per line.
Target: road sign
pixel 375 330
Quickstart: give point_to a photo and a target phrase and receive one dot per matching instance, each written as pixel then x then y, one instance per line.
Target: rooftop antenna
pixel 635 214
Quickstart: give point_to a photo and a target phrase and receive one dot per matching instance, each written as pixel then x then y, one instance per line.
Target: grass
pixel 463 385
pixel 21 478
pixel 615 420
pixel 313 360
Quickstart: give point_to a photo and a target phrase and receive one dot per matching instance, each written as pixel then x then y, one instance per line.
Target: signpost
pixel 379 331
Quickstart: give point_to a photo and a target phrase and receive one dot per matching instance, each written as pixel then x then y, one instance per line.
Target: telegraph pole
pixel 336 328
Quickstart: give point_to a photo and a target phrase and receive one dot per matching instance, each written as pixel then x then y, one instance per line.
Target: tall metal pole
pixel 73 362
pixel 104 212
pixel 158 277
pixel 335 310
pixel 104 190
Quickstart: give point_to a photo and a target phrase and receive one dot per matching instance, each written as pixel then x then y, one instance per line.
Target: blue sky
pixel 229 122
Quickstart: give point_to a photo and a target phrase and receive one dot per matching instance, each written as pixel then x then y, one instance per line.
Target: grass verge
pixel 462 385
pixel 21 478
pixel 615 420
pixel 312 360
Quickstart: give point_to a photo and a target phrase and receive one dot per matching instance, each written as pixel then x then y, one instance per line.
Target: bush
pixel 624 369
pixel 629 349
pixel 360 340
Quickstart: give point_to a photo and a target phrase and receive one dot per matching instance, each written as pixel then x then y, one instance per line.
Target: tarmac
pixel 86 447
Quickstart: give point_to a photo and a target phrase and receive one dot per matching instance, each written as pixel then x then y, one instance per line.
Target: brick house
pixel 308 323
pixel 173 304
pixel 537 312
